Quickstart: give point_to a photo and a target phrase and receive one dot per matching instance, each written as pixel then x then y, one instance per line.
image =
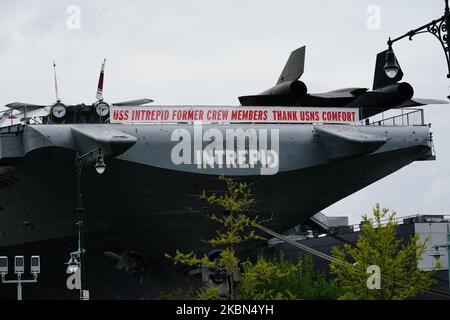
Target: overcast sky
pixel 210 52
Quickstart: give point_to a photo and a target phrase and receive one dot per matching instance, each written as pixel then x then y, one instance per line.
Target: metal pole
pixel 19 288
pixel 447 24
pixel 19 282
pixel 79 210
pixel 415 31
pixel 448 254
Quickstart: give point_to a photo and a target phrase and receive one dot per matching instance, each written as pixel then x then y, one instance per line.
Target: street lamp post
pixel 19 270
pixel 77 257
pixel 440 28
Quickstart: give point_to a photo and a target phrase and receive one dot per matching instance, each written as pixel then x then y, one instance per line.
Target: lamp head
pixel 3 265
pixel 73 268
pixel 72 265
pixel 391 66
pixel 100 165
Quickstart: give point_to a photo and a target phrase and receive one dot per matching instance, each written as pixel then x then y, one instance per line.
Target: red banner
pixel 219 114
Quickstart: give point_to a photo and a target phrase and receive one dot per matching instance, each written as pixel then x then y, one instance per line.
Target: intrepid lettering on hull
pixel 232 114
pixel 235 148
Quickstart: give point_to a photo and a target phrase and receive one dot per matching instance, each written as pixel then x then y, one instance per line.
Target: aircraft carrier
pixel 145 204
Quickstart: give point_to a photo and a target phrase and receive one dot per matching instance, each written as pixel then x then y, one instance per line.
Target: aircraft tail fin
pixel 294 67
pixel 380 78
pixel 100 82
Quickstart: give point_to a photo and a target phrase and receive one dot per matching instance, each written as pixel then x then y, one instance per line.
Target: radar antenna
pixel 56 83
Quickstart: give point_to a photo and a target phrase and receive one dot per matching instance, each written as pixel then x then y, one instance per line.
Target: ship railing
pixel 417 218
pixel 351 228
pixel 405 117
pixel 12 129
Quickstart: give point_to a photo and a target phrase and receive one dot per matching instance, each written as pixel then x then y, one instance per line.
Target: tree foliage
pixel 379 245
pixel 279 278
pixel 234 208
pixel 275 278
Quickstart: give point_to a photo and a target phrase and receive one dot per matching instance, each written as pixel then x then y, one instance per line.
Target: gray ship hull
pixel 152 209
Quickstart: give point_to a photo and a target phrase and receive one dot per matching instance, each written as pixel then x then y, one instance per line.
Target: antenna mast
pixel 56 82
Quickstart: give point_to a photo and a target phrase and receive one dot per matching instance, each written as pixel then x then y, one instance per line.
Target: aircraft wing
pixel 132 103
pixel 21 106
pixel 341 93
pixel 416 102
